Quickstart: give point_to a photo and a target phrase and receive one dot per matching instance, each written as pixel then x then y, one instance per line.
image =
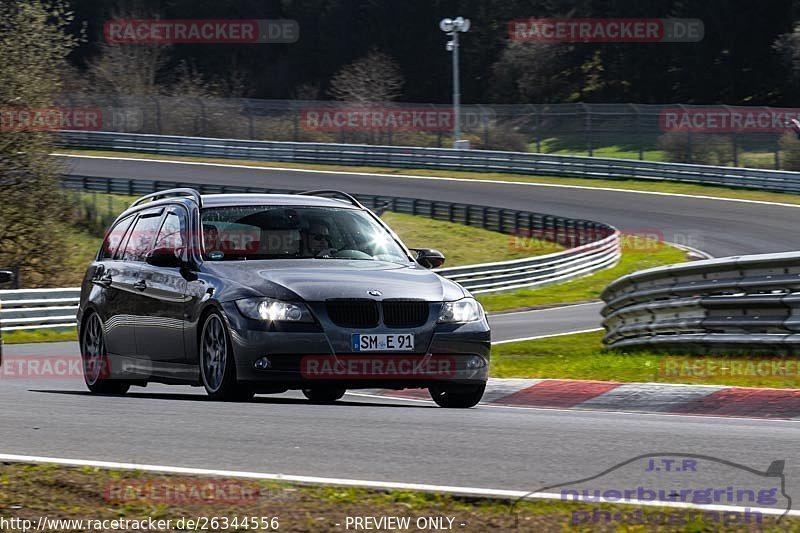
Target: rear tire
pixel 95 362
pixel 455 396
pixel 217 364
pixel 323 396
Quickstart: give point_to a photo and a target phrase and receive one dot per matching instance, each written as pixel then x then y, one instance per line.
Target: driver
pixel 317 239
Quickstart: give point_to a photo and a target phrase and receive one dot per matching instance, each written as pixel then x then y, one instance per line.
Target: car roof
pixel 244 199
pixel 221 200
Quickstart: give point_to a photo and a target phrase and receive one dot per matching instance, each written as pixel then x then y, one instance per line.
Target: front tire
pixel 217 364
pixel 455 396
pixel 324 395
pixel 95 362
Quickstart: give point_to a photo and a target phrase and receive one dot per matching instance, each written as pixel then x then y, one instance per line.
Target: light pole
pixel 453 27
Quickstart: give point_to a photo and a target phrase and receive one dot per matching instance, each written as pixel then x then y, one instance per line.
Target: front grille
pixel 404 313
pixel 353 313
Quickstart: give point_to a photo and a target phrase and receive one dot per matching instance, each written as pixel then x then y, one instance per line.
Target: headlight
pixel 465 310
pixel 274 310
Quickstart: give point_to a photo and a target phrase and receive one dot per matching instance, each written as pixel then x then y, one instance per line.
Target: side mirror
pixel 6 276
pixel 164 257
pixel 429 258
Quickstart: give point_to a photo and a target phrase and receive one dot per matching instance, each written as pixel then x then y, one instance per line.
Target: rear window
pixel 142 236
pixel 113 239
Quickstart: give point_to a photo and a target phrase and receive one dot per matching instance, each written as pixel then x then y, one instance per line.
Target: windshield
pixel 269 232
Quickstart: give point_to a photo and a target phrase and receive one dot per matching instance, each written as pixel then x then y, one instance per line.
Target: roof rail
pixel 332 192
pixel 183 191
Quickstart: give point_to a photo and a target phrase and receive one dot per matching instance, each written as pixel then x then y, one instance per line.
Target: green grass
pixel 619 149
pixel 460 244
pixel 622 147
pixel 581 356
pixel 39 335
pixel 81 248
pixel 635 256
pixel 632 185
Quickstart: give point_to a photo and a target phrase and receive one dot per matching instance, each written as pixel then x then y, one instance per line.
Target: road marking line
pixel 386 485
pixel 702 254
pixel 547 336
pixel 501 314
pixel 441 178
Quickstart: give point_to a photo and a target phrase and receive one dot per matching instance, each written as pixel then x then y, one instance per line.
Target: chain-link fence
pixel 757 137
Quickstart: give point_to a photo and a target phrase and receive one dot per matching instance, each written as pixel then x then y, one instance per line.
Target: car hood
pixel 316 280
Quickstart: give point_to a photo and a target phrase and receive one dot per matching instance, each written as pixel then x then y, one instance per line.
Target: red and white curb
pixel 706 400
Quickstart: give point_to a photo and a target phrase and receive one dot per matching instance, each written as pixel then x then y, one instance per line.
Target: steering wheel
pixel 327 252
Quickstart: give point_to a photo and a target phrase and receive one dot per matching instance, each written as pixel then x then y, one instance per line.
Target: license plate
pixel 382 342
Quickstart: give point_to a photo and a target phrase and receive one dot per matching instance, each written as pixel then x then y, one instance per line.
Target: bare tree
pixel 375 77
pixel 306 91
pixel 127 69
pixel 787 47
pixel 34 47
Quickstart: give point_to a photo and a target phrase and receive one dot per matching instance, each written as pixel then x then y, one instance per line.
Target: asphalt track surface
pixel 401 440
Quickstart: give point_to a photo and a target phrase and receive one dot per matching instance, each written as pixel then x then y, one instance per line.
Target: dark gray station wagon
pixel 256 293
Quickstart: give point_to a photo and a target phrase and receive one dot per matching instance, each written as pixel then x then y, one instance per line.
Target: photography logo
pixel 673 489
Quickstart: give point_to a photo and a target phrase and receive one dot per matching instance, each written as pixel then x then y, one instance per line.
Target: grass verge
pixel 632 185
pixel 39 335
pixel 581 356
pixel 635 256
pixel 460 244
pixel 29 492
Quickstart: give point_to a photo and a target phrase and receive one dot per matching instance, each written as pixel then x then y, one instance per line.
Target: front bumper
pixel 455 354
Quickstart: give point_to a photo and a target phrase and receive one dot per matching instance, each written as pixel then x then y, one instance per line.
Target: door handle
pixel 105 281
pixel 140 285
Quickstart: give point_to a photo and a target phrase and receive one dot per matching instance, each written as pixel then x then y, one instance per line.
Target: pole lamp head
pixel 446 25
pixel 461 24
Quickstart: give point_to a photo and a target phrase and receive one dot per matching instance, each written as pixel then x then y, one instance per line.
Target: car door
pixel 113 279
pixel 159 326
pixel 131 304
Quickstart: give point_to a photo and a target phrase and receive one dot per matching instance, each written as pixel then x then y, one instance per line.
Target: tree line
pixel 750 52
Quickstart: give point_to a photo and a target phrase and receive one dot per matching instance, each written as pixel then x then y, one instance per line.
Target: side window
pixel 142 236
pixel 173 233
pixel 113 239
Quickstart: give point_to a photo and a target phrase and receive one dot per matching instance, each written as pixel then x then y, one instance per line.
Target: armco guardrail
pixel 590 245
pixel 38 308
pixel 734 303
pixel 436 158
